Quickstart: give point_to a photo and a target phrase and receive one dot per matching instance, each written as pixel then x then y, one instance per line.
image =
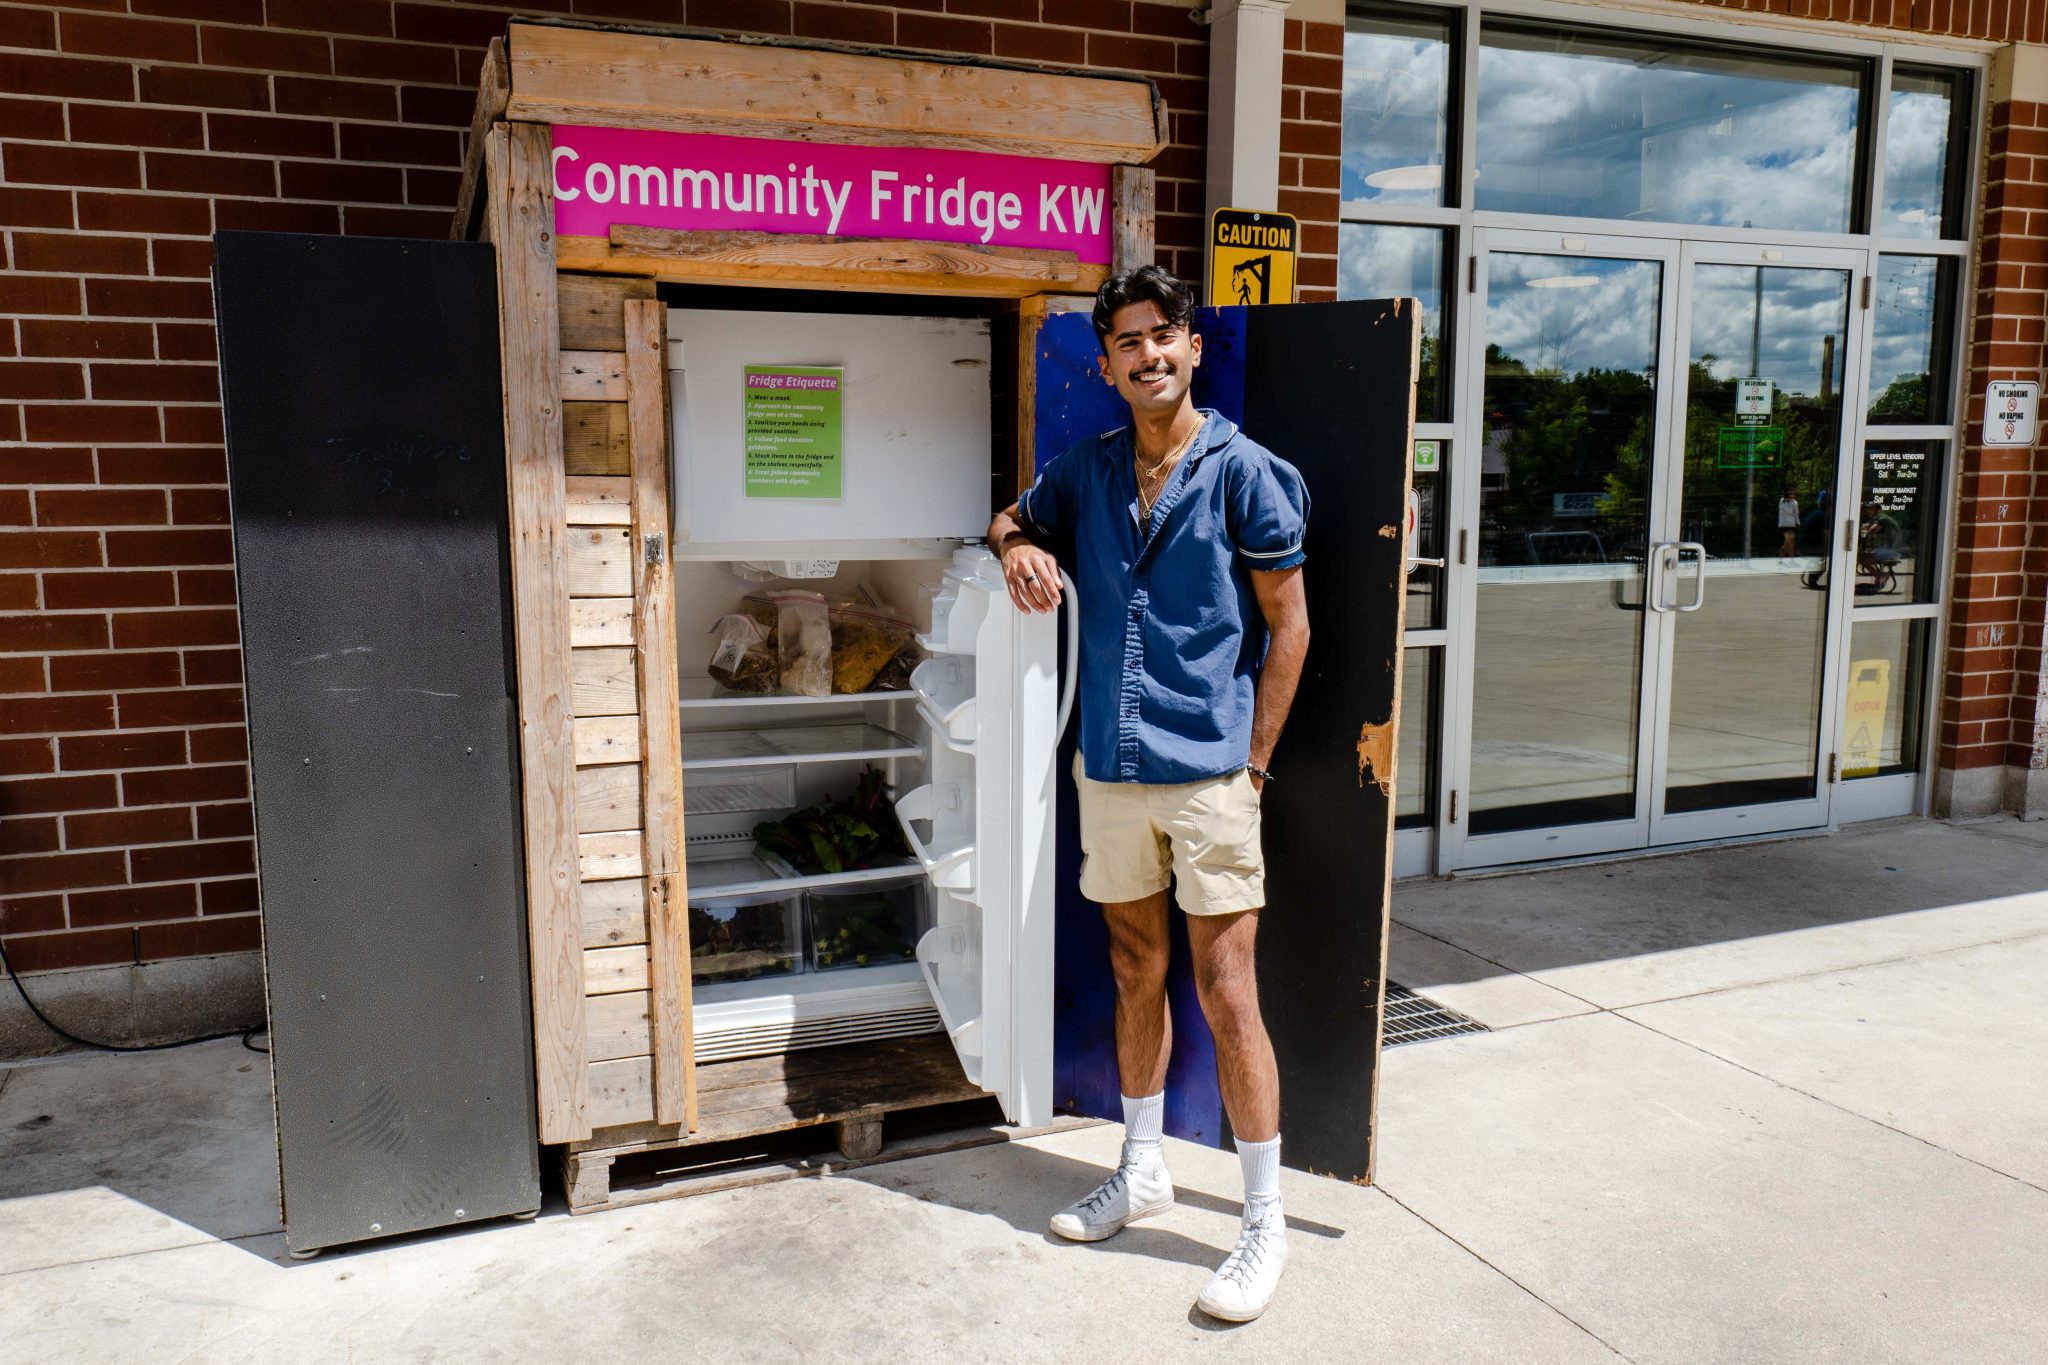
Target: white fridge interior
pixel 955 937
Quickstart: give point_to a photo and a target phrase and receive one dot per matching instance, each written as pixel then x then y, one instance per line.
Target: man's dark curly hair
pixel 1147 284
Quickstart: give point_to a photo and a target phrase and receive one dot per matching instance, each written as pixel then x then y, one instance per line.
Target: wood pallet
pixel 739 1104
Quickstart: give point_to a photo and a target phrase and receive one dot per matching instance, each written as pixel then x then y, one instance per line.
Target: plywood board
pixel 627 80
pixel 607 739
pixel 614 914
pixel 604 856
pixel 608 798
pixel 594 438
pixel 595 621
pixel 608 970
pixel 602 682
pixel 518 164
pixel 590 306
pixel 600 500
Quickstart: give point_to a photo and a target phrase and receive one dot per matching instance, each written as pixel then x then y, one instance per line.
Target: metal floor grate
pixel 1413 1019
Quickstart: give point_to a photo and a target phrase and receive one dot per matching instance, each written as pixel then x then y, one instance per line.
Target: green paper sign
pixel 791 431
pixel 1750 447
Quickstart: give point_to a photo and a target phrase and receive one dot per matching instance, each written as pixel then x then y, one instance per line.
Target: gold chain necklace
pixel 1145 476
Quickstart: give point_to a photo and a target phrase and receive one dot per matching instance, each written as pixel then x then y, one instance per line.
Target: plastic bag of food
pixel 743 658
pixel 803 643
pixel 865 641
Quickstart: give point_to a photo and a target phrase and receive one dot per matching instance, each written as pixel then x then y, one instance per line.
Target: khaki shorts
pixel 1206 834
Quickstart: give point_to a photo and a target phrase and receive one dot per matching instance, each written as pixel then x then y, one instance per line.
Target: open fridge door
pixel 990 700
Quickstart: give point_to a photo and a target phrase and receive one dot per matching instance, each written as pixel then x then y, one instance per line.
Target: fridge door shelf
pixel 944 685
pixel 957 615
pixel 945 956
pixel 793 744
pixel 950 869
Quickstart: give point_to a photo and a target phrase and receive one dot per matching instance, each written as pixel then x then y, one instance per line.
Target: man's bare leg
pixel 1138 953
pixel 1228 984
pixel 1140 1186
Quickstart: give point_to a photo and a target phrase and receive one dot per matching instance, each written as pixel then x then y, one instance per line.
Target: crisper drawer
pixel 868 924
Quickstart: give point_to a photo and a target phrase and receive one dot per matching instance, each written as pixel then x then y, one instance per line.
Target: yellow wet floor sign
pixel 1870 687
pixel 1251 257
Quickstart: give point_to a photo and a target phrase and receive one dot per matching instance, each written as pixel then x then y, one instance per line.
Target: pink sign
pixel 700 181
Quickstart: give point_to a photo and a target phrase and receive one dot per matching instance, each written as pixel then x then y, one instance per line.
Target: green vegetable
pixel 838 836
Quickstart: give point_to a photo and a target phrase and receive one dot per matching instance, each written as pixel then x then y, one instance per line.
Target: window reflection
pixel 1378 261
pixel 1885 698
pixel 1612 127
pixel 1898 521
pixel 1429 477
pixel 1923 147
pixel 1396 102
pixel 1914 302
pixel 1415 763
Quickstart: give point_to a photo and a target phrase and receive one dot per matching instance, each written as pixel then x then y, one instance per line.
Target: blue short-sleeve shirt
pixel 1171 633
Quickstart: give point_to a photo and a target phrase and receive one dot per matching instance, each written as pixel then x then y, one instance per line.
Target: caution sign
pixel 1251 257
pixel 1870 690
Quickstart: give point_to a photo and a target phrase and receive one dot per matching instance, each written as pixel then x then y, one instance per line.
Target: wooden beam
pixel 878 264
pixel 661 743
pixel 1030 317
pixel 493 88
pixel 1132 190
pixel 522 226
pixel 633 80
pixel 592 319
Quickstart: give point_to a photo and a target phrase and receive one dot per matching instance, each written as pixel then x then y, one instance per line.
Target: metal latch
pixel 654 549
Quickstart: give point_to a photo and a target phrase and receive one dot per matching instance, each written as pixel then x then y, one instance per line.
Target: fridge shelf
pixel 754 875
pixel 703 693
pixel 792 744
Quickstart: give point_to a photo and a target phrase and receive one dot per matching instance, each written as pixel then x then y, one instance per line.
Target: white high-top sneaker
pixel 1138 1188
pixel 1243 1285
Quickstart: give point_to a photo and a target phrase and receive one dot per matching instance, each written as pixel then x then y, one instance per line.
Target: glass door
pixel 1556 515
pixel 1751 586
pixel 1647 547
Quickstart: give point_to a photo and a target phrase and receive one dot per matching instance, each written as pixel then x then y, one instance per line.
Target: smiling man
pixel 1184 538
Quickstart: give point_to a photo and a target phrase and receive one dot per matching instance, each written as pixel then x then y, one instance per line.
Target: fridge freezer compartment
pixel 868 924
pixel 945 700
pixel 951 962
pixel 950 868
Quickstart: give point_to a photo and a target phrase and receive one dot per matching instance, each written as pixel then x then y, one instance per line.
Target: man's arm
pixel 1032 574
pixel 1285 604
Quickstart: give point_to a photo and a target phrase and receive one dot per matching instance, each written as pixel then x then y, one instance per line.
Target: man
pixel 1184 537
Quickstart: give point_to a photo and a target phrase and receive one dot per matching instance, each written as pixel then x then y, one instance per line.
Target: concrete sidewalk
pixel 1782 1102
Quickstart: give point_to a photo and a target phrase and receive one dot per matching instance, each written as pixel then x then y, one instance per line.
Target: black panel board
pixel 1328 387
pixel 366 462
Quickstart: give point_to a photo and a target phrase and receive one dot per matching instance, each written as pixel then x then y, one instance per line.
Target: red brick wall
pixel 1992 703
pixel 2007 21
pixel 1311 144
pixel 130 130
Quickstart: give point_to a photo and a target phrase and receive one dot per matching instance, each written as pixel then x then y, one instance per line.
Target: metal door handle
pixel 1661 560
pixel 1699 589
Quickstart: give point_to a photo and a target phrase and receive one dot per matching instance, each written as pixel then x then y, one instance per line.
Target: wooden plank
pixel 493 88
pixel 599 565
pixel 628 80
pixel 608 798
pixel 622 1091
pixel 590 308
pixel 602 857
pixel 1132 192
pixel 598 500
pixel 594 438
pixel 1031 314
pixel 661 770
pixel 598 376
pixel 618 1026
pixel 607 739
pixel 607 971
pixel 862 264
pixel 614 914
pixel 602 682
pixel 522 218
pixel 597 621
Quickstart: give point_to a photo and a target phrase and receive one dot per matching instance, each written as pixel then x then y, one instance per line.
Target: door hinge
pixel 1471 274
pixel 1453 817
pixel 1834 768
pixel 1866 291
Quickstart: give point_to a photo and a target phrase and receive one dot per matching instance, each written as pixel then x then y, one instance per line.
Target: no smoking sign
pixel 2009 406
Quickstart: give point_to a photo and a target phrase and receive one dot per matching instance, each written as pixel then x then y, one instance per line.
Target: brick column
pixel 1993 739
pixel 1311 143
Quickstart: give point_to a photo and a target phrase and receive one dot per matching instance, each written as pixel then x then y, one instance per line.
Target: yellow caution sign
pixel 1870 690
pixel 1251 257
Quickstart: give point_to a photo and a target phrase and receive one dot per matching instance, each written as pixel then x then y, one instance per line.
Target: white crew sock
pixel 1261 1162
pixel 1144 1130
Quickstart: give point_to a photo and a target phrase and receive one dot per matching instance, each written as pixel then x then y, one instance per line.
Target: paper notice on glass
pixel 792 435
